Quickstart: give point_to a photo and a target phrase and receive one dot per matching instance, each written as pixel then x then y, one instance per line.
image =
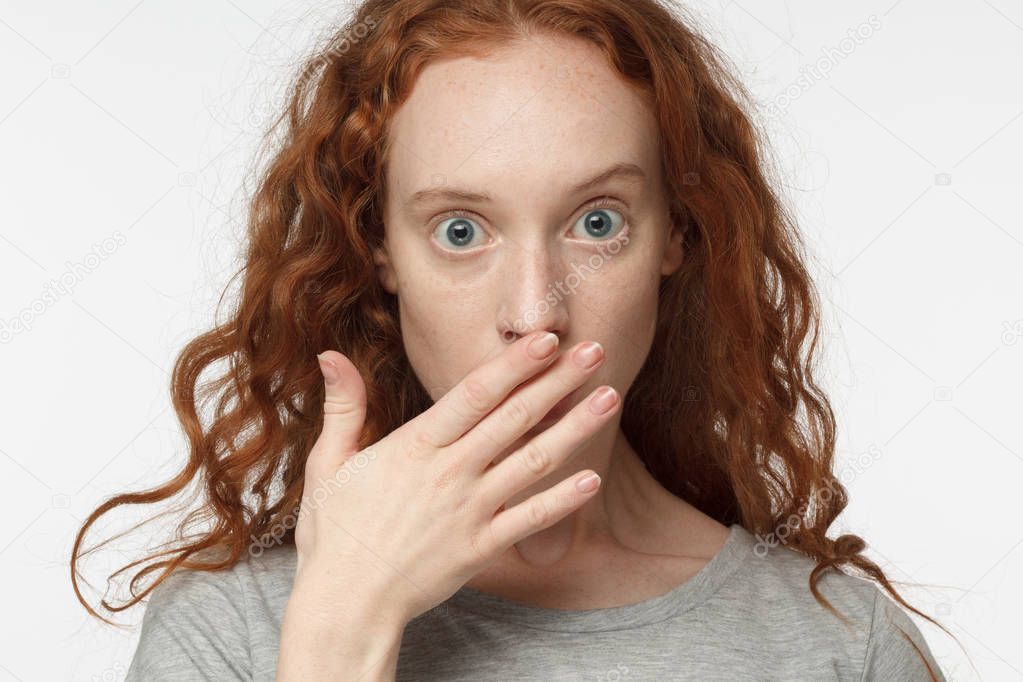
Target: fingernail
pixel 330 372
pixel 587 484
pixel 543 345
pixel 603 400
pixel 589 355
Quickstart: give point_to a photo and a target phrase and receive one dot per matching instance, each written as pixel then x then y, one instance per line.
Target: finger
pixel 549 450
pixel 483 389
pixel 530 404
pixel 535 513
pixel 344 410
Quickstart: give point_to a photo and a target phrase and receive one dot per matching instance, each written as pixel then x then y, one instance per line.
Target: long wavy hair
pixel 732 361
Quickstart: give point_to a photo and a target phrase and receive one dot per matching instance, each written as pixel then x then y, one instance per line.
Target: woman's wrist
pixel 332 593
pixel 350 638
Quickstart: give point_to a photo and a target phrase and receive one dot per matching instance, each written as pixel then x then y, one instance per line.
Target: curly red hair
pixel 732 359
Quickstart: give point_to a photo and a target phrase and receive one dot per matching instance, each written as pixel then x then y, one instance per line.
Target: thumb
pixel 344 407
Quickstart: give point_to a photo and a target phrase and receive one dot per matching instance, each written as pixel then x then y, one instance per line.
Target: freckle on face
pixel 514 127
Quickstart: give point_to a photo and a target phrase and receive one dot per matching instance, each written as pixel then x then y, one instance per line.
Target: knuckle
pixel 481 543
pixel 336 406
pixel 422 442
pixel 465 507
pixel 446 477
pixel 477 396
pixel 535 458
pixel 538 512
pixel 516 412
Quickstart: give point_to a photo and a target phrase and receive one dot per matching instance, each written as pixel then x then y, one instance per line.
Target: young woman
pixel 503 247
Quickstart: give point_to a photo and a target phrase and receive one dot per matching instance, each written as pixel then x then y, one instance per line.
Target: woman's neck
pixel 633 523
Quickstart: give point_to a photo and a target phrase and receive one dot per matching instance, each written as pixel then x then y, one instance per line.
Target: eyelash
pixel 602 202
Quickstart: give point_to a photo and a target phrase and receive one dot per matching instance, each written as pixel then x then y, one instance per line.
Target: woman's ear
pixel 385 269
pixel 673 254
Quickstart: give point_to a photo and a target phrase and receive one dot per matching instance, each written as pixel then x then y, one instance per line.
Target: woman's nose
pixel 532 295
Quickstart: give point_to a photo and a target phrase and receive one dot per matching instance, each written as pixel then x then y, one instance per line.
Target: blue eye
pixel 459 231
pixel 599 222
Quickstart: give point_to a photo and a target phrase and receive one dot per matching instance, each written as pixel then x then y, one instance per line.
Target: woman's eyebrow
pixel 625 171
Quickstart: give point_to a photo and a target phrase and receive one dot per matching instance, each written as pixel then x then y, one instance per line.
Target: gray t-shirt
pixel 745 615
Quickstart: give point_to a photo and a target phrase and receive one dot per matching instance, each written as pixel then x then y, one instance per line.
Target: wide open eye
pixel 597 223
pixel 459 232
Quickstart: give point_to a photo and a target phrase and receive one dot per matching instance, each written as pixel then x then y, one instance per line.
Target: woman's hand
pixel 407 521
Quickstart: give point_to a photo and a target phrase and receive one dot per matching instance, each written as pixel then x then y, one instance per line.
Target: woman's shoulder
pixel 198 621
pixel 779 573
pixel 770 586
pixel 259 569
pixel 774 581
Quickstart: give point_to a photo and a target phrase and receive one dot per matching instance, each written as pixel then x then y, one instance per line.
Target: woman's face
pixel 492 223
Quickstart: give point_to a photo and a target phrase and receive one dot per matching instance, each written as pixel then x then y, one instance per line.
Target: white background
pixel 132 124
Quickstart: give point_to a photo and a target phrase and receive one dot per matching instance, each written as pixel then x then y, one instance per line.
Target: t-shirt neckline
pixel 679 599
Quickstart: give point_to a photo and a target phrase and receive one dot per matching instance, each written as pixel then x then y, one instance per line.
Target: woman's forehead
pixel 505 117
